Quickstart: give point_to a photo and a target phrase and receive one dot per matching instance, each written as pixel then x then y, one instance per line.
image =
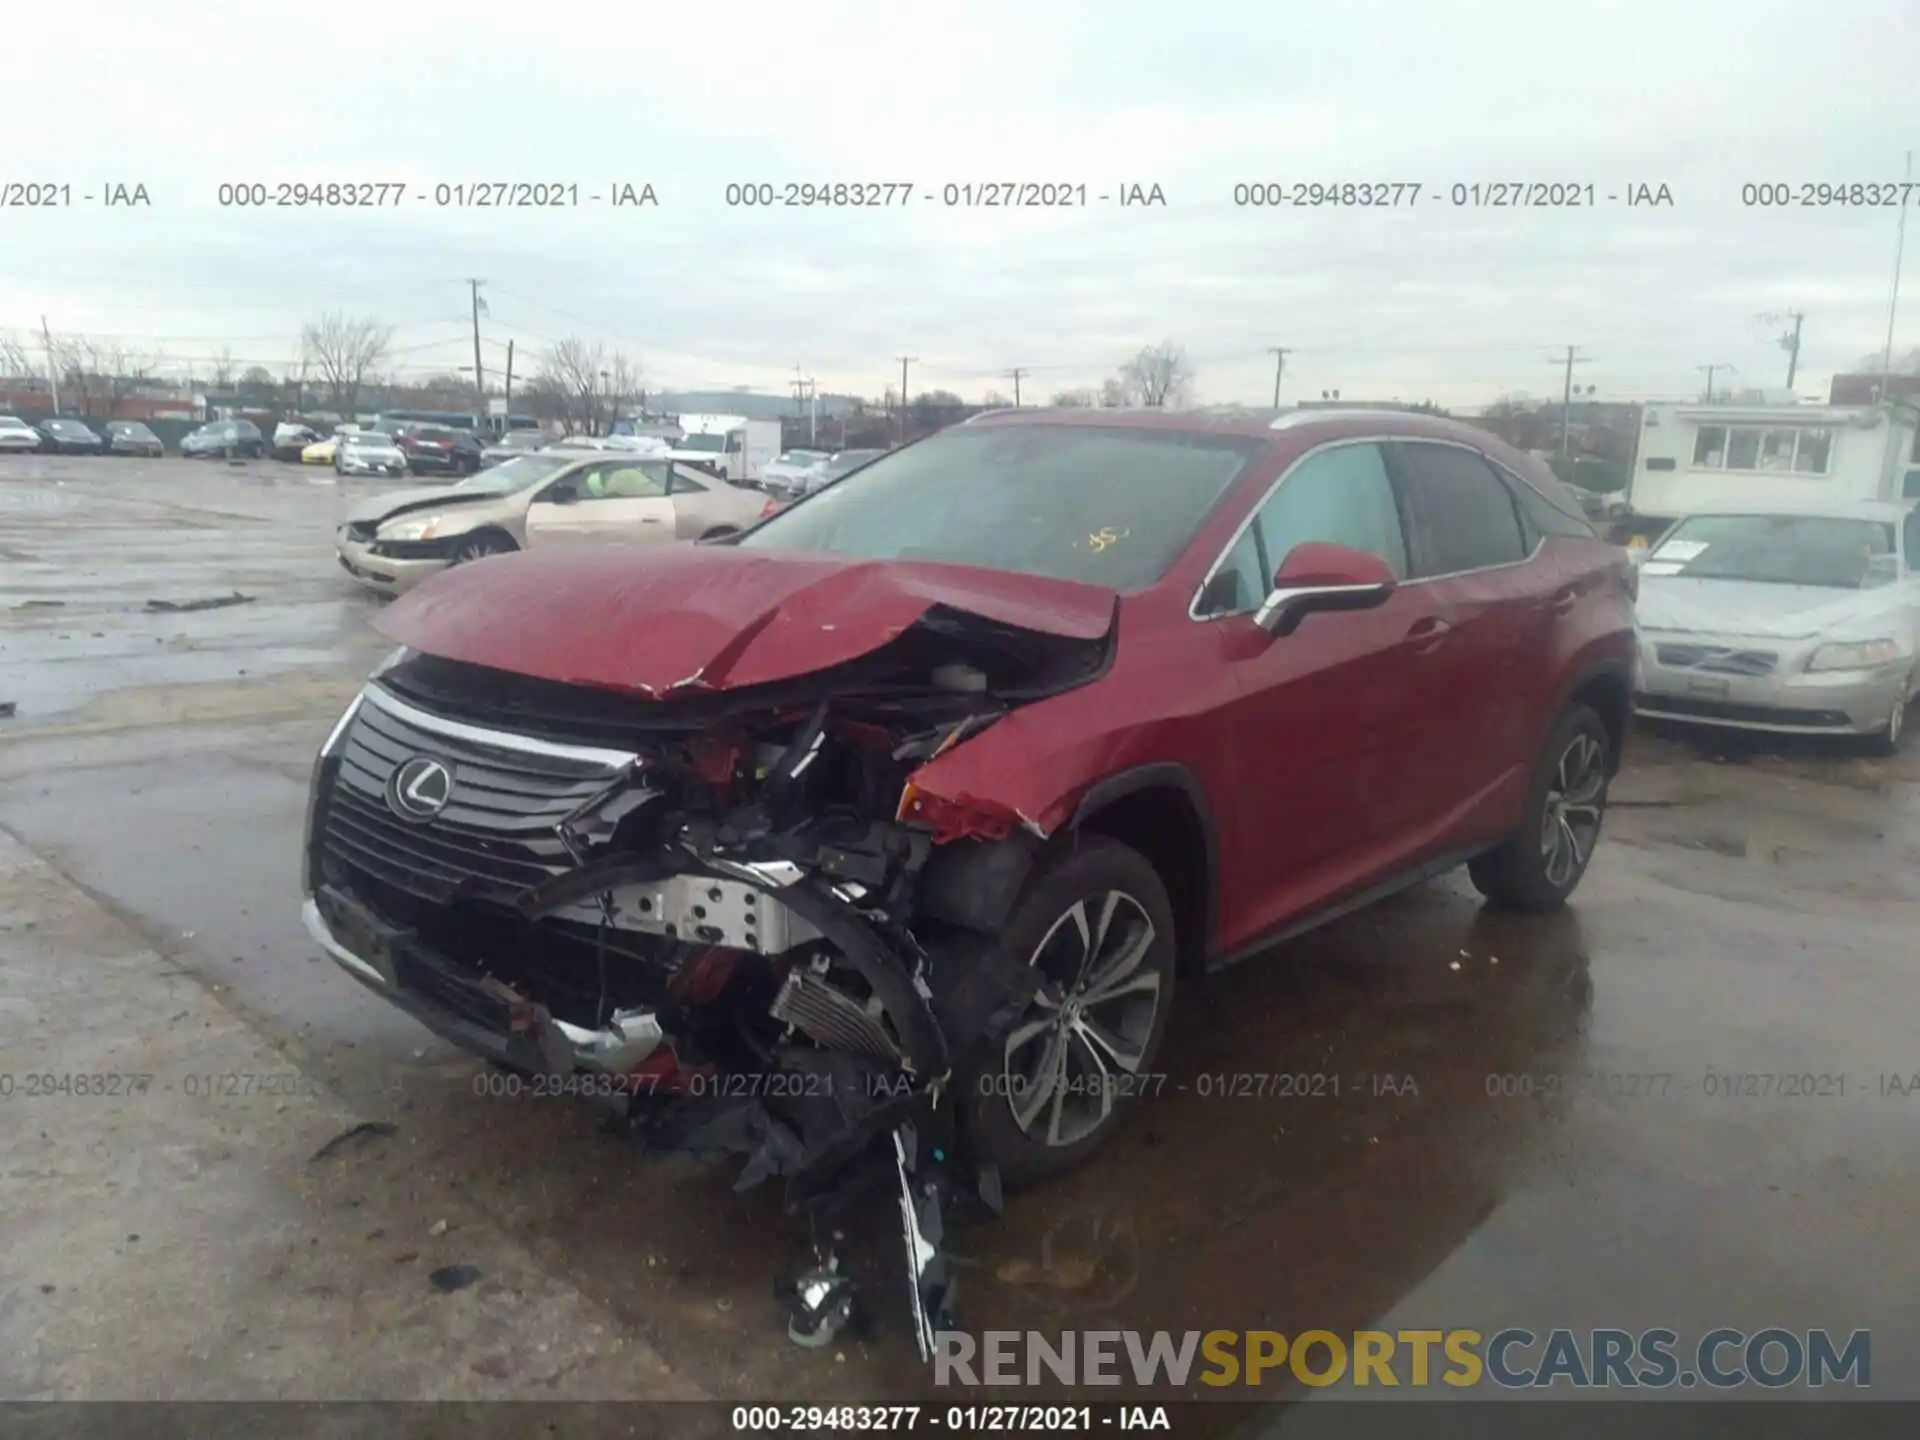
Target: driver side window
pixel 1339 496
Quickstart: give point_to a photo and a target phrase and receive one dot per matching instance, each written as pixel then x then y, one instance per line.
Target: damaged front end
pixel 731 914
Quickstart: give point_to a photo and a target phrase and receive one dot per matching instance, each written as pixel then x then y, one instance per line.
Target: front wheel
pixel 1886 740
pixel 481 545
pixel 1041 1094
pixel 1539 867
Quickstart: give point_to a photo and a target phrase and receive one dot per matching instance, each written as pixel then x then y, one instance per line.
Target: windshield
pixel 702 442
pixel 66 427
pixel 515 474
pixel 1109 507
pixel 1828 551
pixel 365 437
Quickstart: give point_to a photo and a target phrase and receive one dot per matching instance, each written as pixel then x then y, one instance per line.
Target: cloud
pixel 1458 302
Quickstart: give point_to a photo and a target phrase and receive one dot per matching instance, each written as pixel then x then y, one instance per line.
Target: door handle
pixel 1426 636
pixel 651 520
pixel 1564 602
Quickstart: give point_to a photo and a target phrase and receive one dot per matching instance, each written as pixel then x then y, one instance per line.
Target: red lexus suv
pixel 904 812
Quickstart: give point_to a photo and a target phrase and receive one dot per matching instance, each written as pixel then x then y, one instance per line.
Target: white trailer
pixel 731 445
pixel 1694 456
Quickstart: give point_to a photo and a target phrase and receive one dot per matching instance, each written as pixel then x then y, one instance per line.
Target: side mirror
pixel 1316 576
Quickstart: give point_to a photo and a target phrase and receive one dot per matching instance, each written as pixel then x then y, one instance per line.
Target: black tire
pixel 1566 805
pixel 481 544
pixel 1886 741
pixel 1008 1068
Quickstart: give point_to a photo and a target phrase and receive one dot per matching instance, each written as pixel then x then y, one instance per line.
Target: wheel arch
pixel 1606 688
pixel 1161 810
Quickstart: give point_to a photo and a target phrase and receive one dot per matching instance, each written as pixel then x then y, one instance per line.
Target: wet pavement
pixel 1427 1115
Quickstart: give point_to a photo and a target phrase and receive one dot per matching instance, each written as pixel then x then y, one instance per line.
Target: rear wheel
pixel 481 544
pixel 1041 1094
pixel 1538 868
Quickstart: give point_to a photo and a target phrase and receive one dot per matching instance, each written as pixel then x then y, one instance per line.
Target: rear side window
pixel 1543 517
pixel 1460 515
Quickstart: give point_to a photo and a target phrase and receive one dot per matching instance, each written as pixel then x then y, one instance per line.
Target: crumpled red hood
pixel 708 617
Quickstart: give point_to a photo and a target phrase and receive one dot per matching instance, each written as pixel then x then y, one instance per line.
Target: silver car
pixel 368 452
pixel 787 475
pixel 1804 620
pixel 843 462
pixel 393 542
pixel 17 435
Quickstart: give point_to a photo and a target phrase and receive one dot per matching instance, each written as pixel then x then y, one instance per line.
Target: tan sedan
pixel 394 541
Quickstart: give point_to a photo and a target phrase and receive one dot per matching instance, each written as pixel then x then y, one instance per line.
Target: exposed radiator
pixel 831 1017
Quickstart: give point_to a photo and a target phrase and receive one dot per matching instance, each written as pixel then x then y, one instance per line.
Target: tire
pixel 481 544
pixel 1012 1116
pixel 1541 865
pixel 1887 740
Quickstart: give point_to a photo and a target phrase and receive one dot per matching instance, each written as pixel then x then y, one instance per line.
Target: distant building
pixel 1865 389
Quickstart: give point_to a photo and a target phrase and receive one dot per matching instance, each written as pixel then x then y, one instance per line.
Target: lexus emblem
pixel 419 789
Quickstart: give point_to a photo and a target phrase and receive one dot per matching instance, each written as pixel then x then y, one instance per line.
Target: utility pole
pixel 509 391
pixel 905 360
pixel 813 411
pixel 1790 343
pixel 1016 373
pixel 1712 370
pixel 479 376
pixel 1893 302
pixel 1566 395
pixel 1279 353
pixel 53 367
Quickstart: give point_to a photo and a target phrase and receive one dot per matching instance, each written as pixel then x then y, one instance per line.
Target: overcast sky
pixel 1455 304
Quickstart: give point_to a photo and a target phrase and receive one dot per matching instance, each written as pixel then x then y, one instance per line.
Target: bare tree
pixel 76 361
pixel 122 371
pixel 1158 376
pixel 223 364
pixel 590 383
pixel 1073 399
pixel 995 400
pixel 1905 362
pixel 1113 394
pixel 345 352
pixel 16 361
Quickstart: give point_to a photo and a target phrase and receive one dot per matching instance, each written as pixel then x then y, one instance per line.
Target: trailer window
pixel 1800 450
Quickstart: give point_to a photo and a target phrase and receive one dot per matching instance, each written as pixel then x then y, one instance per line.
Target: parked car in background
pixel 69 437
pixel 440 448
pixel 842 462
pixel 787 475
pixel 290 440
pixel 512 443
pixel 130 437
pixel 232 438
pixel 321 452
pixel 1802 619
pixel 17 436
pixel 537 501
pixel 368 452
pixel 615 444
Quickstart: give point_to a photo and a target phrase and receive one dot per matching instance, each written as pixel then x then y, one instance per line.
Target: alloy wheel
pixel 1091 1022
pixel 1571 822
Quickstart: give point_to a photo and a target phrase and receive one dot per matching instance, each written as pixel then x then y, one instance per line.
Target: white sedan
pixel 1804 620
pixel 16 435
